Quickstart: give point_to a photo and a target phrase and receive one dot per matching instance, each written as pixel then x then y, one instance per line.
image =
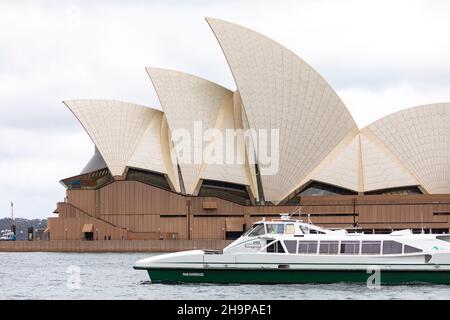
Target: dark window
pixel 439 230
pixel 409 249
pixel 371 247
pixel 280 248
pixel 291 246
pixel 89 236
pixel 329 247
pixel 307 247
pixel 275 247
pixel 444 238
pixel 382 231
pixel 392 247
pixel 148 177
pixel 316 188
pixel 228 191
pixel 258 230
pixel 86 181
pixel 350 247
pixel 421 231
pixel 400 191
pixel 271 248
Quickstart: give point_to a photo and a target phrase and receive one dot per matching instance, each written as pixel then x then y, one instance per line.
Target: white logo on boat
pixel 192 274
pixel 253 245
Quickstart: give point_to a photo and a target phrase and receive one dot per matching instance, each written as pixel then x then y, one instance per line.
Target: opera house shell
pixel 320 149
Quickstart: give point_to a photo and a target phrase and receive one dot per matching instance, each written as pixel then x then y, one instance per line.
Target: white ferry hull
pixel 196 266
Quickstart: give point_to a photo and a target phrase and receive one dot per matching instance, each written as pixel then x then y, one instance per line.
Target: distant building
pixel 394 173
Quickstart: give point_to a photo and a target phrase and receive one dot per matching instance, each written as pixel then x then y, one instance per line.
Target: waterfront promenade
pixel 111 245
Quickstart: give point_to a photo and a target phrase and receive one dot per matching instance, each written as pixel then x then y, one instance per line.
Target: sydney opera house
pixel 304 149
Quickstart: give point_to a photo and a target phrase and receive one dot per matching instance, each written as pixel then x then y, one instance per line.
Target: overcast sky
pixel 380 57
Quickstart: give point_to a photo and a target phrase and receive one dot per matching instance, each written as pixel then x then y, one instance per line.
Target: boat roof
pixel 287 219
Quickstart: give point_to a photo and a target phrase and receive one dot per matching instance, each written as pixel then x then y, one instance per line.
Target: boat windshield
pixel 257 230
pixel 275 228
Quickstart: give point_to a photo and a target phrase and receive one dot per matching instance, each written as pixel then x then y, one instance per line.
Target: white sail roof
pixel 125 134
pixel 380 168
pixel 277 92
pixel 420 138
pixel 281 92
pixel 194 105
pixel 342 167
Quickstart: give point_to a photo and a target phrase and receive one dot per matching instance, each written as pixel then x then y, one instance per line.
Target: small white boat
pixel 290 251
pixel 7 235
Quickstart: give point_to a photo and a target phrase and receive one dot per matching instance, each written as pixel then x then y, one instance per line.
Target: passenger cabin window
pixel 291 246
pixel 409 249
pixel 289 229
pixel 371 247
pixel 258 230
pixel 392 247
pixel 273 228
pixel 307 247
pixel 329 247
pixel 350 247
pixel 275 247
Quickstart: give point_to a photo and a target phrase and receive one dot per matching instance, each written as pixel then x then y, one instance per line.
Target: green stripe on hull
pixel 293 276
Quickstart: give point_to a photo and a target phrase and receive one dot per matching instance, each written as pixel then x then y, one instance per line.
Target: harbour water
pixel 111 276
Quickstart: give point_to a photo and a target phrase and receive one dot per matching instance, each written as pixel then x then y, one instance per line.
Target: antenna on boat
pixel 298 210
pixel 294 212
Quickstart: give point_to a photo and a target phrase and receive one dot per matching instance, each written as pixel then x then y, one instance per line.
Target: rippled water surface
pixel 111 276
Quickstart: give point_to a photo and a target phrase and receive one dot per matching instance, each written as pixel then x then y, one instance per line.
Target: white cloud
pixel 380 56
pixel 33 161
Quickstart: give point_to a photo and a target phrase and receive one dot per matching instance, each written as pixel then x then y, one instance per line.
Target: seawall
pixel 111 245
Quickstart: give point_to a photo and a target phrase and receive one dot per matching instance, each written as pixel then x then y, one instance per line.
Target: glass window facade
pixel 275 247
pixel 410 249
pixel 291 246
pixel 329 247
pixel 307 247
pixel 350 247
pixel 371 247
pixel 392 247
pixel 275 228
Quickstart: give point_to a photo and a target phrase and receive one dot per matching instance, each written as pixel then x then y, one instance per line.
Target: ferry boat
pixel 287 250
pixel 6 235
